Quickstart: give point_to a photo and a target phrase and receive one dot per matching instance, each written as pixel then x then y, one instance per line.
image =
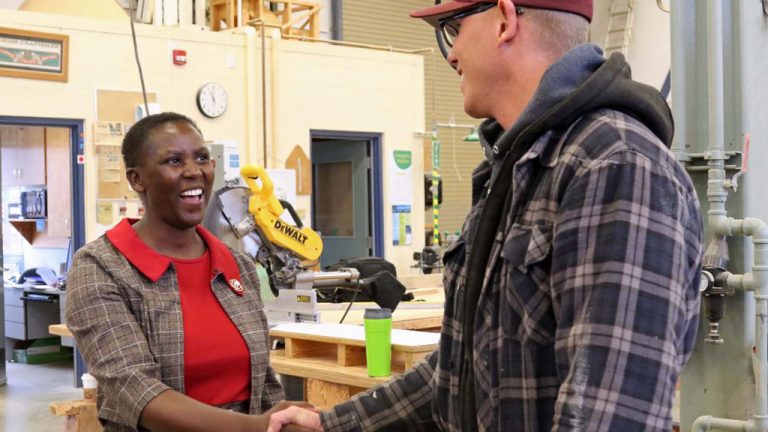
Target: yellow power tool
pixel 266 210
pixel 250 220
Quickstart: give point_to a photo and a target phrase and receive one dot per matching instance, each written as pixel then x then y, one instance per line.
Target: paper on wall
pixel 104 213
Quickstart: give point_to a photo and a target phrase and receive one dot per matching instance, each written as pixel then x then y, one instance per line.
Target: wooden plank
pixel 59 330
pixel 326 370
pixel 26 228
pixel 325 394
pixel 349 355
pixel 67 408
pixel 82 415
pixel 412 358
pixel 88 420
pixel 298 348
pixel 403 319
pixel 433 323
pixel 413 281
pixel 402 340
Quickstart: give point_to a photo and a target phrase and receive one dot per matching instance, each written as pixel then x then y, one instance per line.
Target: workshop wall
pixel 318 87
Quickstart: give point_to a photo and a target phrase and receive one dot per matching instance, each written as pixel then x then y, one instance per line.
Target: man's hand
pixel 265 418
pixel 295 419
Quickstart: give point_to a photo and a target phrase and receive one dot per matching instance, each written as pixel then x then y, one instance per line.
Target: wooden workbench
pixel 424 313
pixel 323 376
pixel 330 359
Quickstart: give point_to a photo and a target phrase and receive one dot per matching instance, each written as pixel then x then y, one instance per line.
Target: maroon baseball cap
pixel 434 13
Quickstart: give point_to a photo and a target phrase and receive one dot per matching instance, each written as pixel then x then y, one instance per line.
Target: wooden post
pixel 81 416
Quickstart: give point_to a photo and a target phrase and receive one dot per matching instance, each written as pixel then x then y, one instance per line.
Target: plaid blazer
pixel 589 306
pixel 129 330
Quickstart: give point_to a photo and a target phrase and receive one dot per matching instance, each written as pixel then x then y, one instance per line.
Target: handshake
pixel 293 417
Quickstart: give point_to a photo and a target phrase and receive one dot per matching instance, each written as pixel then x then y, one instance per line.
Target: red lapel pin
pixel 236 286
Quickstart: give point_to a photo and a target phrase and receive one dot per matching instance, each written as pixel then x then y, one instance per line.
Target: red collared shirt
pixel 216 358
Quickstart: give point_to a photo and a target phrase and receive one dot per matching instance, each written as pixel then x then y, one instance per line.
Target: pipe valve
pixel 713 287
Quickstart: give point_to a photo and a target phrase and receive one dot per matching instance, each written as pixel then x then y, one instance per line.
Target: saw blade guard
pixel 266 210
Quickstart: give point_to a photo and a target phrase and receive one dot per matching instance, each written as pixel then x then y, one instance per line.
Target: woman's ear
pixel 134 179
pixel 507 24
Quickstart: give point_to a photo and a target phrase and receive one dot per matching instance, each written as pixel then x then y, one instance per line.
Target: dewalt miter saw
pixel 251 220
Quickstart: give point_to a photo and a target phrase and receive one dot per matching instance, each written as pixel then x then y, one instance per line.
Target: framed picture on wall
pixel 33 55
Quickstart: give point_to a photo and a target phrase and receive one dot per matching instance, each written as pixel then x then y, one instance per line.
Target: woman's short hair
pixel 138 134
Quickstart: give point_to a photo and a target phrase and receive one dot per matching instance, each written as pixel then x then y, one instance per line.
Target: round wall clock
pixel 212 100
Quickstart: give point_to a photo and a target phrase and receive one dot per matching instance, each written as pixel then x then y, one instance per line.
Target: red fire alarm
pixel 179 57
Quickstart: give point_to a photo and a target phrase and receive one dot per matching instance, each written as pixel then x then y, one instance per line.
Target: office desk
pixel 29 310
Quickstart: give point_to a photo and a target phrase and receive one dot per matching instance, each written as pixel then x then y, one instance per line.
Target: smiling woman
pixel 168 318
pixel 172 171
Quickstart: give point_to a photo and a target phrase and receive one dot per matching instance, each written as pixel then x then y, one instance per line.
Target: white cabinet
pixel 23 155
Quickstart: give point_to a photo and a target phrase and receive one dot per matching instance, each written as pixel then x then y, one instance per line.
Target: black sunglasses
pixel 449 26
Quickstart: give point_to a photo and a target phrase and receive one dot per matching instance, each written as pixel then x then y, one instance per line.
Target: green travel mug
pixel 378 341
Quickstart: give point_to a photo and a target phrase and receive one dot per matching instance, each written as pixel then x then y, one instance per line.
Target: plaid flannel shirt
pixel 589 306
pixel 130 332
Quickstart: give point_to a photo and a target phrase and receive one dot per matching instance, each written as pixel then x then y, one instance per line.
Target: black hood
pixel 611 86
pixel 581 82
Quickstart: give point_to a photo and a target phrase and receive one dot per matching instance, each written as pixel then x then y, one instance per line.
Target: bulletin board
pixel 116 105
pixel 116 112
pixel 107 139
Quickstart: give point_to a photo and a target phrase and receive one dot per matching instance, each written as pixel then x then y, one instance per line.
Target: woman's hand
pixel 295 419
pixel 285 410
pixel 172 411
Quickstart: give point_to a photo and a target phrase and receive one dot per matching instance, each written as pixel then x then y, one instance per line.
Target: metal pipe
pixel 723 225
pixel 679 91
pixel 743 282
pixel 717 194
pixel 274 73
pixel 350 275
pixel 337 21
pixel 716 114
pixel 250 97
pixel 264 93
pixel 262 25
pixel 709 423
pixel 759 233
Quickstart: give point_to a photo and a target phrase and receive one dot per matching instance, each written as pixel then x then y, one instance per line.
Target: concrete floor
pixel 30 389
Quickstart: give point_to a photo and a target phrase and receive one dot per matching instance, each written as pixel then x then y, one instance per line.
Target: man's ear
pixel 507 24
pixel 134 179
